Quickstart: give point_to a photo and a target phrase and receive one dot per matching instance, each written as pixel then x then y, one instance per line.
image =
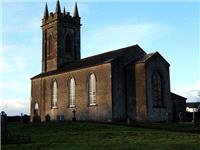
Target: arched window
pixel 54 94
pixel 50 45
pixel 71 91
pixel 36 106
pixel 157 90
pixel 68 44
pixel 92 89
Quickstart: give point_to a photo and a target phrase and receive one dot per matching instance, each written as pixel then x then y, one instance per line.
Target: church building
pixel 120 85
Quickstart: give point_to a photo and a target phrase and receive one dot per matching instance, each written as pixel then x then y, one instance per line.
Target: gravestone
pixel 36 119
pixel 60 118
pixel 26 119
pixel 47 118
pixel 4 131
pixel 180 117
pixel 168 117
pixel 74 115
pixel 128 120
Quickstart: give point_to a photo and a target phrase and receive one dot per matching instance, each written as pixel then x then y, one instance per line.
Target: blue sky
pixel 172 28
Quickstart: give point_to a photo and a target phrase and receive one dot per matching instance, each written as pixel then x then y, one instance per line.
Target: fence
pixel 16 139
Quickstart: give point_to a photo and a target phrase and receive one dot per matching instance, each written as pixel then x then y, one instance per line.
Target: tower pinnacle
pixel 64 12
pixel 58 7
pixel 46 12
pixel 76 11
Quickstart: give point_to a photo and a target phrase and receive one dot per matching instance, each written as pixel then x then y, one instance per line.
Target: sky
pixel 172 28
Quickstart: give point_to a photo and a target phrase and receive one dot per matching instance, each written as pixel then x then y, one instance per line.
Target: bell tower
pixel 60 38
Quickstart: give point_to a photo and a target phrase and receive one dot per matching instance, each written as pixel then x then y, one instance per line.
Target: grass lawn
pixel 87 136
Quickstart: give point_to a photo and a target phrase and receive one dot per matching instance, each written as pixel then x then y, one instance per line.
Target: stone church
pixel 120 85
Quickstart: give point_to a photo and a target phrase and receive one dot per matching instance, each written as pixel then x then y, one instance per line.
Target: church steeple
pixel 60 38
pixel 46 12
pixel 76 11
pixel 58 10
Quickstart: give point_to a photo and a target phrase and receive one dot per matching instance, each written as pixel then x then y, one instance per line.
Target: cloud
pixel 193 96
pixel 116 36
pixel 191 92
pixel 15 106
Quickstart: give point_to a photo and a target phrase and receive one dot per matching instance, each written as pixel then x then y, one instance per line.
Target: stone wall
pixel 41 92
pixel 118 91
pixel 58 26
pixel 179 106
pixel 141 98
pixel 123 84
pixel 145 110
pixel 157 114
pixel 131 92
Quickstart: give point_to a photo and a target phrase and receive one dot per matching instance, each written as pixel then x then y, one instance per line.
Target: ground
pixel 98 136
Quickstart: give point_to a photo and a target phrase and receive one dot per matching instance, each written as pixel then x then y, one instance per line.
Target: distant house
pixel 179 106
pixel 193 107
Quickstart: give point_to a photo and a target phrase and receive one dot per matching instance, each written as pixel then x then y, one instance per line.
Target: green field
pixel 87 136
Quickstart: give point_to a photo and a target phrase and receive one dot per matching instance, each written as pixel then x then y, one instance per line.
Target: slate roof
pixel 146 57
pixel 175 96
pixel 93 60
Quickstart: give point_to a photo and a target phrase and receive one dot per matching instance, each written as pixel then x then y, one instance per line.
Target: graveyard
pixel 85 135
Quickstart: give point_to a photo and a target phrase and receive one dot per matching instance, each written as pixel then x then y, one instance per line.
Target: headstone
pixel 4 131
pixel 36 119
pixel 74 115
pixel 21 119
pixel 180 116
pixel 128 120
pixel 47 118
pixel 168 117
pixel 26 119
pixel 60 118
pixel 195 118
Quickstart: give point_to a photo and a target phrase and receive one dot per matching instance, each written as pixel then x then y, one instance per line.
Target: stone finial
pixel 58 7
pixel 46 12
pixel 64 12
pixel 76 11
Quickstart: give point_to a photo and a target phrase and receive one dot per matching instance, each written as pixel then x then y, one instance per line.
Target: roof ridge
pixel 116 50
pixel 102 58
